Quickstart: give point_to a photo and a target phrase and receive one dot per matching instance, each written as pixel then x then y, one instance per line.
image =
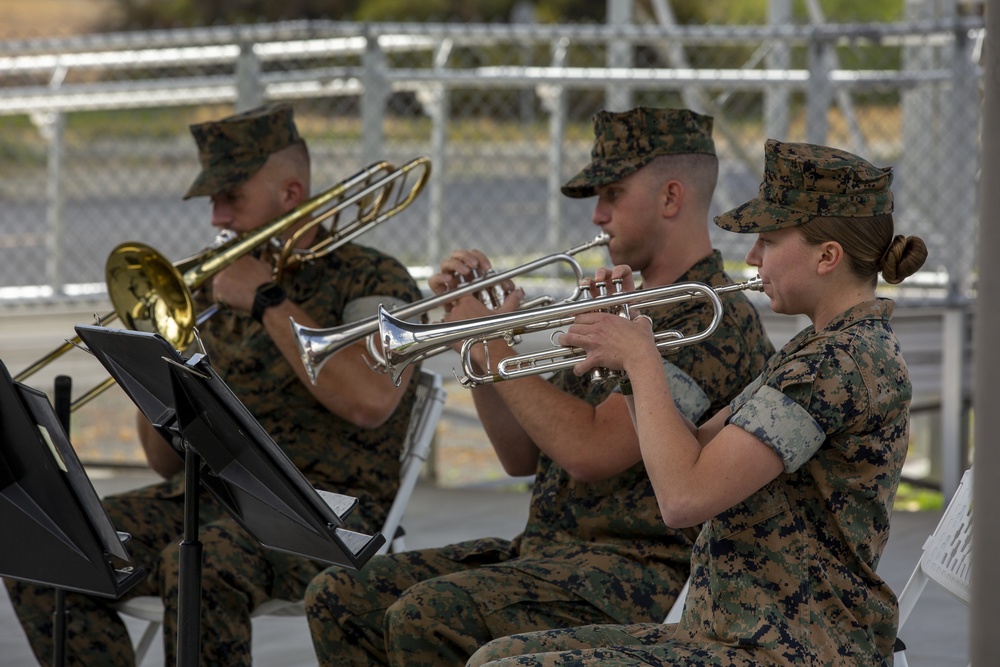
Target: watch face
pixel 272 294
pixel 267 295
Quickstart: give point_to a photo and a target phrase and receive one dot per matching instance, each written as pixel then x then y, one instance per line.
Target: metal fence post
pixel 960 162
pixel 618 96
pixel 777 114
pixel 435 101
pixel 55 129
pixel 921 106
pixel 249 89
pixel 818 90
pixel 953 367
pixel 52 126
pixel 373 98
pixel 554 100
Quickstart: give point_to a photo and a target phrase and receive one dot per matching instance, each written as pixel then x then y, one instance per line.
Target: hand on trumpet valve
pixel 609 339
pixel 465 267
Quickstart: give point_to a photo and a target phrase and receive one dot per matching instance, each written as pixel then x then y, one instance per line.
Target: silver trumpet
pixel 405 342
pixel 316 346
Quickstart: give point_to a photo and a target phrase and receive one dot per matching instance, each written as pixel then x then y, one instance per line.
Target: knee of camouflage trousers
pixel 345 610
pixel 577 646
pixel 95 635
pixel 433 623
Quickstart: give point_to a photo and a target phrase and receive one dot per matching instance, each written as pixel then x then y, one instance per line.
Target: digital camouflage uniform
pixel 590 551
pixel 237 573
pixel 787 576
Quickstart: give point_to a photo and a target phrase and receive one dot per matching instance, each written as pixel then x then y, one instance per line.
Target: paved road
pixel 936 633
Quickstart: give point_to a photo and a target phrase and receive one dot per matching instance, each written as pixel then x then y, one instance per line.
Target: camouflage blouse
pixel 788 575
pixel 334 454
pixel 606 540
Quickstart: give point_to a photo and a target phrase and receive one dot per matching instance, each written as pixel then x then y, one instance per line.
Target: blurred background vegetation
pixel 173 13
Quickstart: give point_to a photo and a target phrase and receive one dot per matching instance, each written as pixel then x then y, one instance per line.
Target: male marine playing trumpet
pixel 595 549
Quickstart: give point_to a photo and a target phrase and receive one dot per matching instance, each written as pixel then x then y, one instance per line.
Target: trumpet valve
pixel 493 296
pixel 601 375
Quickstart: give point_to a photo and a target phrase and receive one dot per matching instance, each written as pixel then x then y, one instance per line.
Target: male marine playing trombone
pixel 595 549
pixel 345 432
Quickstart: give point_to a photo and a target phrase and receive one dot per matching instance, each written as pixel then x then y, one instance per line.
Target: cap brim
pixel 757 216
pixel 583 184
pixel 215 180
pixel 599 173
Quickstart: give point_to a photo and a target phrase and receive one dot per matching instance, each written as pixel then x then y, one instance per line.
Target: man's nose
pixel 221 215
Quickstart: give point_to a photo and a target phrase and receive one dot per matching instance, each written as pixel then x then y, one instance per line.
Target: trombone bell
pixel 149 293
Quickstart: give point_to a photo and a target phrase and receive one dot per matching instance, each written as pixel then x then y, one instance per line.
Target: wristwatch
pixel 267 295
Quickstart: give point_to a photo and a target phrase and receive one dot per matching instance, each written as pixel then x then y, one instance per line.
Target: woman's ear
pixel 830 256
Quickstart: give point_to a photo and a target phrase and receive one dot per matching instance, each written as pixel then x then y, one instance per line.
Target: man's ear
pixel 672 196
pixel 830 256
pixel 293 192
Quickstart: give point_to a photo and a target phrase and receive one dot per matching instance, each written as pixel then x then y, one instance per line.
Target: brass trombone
pixel 151 294
pixel 316 346
pixel 403 342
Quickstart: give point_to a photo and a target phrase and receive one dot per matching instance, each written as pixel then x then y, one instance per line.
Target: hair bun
pixel 904 257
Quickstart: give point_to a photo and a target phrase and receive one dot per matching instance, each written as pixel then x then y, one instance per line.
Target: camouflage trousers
pixel 423 608
pixel 612 646
pixel 237 575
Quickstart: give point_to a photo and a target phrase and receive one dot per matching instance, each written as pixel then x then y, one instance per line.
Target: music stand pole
pixel 189 584
pixel 62 397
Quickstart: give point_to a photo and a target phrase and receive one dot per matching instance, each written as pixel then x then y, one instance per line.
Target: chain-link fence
pixel 95 147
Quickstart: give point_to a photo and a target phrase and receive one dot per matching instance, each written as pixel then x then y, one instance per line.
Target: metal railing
pixel 502 110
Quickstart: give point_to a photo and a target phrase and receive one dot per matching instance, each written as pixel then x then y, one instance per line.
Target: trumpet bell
pixel 149 293
pixel 400 343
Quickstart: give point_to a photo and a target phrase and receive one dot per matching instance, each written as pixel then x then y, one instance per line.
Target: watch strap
pixel 267 295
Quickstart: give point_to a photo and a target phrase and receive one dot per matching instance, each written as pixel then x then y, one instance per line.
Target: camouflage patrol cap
pixel 803 181
pixel 231 150
pixel 626 141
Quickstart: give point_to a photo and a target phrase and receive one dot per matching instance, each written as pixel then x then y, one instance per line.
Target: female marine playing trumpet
pixel 795 480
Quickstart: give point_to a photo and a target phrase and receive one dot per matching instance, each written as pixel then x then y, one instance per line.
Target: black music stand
pixel 231 454
pixel 51 518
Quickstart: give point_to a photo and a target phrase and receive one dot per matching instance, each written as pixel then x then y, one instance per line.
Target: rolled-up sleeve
pixel 781 424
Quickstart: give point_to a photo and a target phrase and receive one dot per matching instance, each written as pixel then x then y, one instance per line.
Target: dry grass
pixel 51 18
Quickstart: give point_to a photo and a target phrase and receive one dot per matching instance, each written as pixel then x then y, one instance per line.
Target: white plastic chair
pixel 424 418
pixel 946 557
